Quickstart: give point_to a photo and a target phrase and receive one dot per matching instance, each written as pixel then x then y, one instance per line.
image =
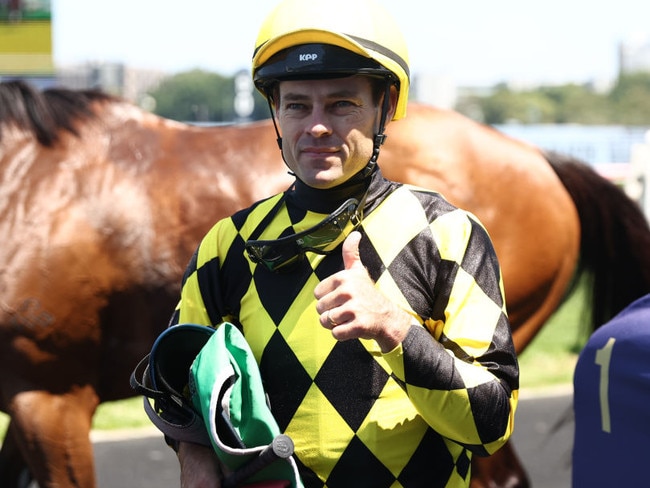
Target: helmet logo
pixel 308 57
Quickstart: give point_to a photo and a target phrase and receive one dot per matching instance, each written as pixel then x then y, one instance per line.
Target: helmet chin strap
pixel 378 139
pixel 277 131
pixel 275 125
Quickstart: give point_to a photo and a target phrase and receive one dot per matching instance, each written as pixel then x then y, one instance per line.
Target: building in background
pixel 114 78
pixel 26 54
pixel 438 90
pixel 634 55
pixel 26 41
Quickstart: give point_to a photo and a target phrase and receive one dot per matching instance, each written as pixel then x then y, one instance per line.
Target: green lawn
pixel 548 361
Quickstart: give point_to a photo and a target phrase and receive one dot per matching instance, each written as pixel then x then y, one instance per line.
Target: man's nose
pixel 319 123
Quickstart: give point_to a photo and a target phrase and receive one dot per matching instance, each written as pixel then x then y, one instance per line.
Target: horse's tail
pixel 615 237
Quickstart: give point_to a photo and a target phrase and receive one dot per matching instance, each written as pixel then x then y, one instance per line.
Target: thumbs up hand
pixel 352 307
pixel 351 256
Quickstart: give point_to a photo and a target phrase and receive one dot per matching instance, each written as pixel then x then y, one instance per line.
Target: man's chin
pixel 319 185
pixel 323 181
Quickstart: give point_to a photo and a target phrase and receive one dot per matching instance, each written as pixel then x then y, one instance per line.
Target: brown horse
pixel 102 205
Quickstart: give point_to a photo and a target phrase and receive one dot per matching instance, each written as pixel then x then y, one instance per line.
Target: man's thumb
pixel 351 258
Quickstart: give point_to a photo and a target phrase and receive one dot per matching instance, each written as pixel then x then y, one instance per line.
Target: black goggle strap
pixel 329 220
pixel 332 227
pixel 266 221
pixel 290 244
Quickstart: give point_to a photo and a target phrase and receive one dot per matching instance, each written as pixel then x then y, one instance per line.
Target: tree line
pixel 627 102
pixel 202 97
pixel 205 97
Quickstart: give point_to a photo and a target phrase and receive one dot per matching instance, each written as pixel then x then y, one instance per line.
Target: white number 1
pixel 603 358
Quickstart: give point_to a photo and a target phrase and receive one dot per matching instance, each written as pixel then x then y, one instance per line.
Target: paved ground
pixel 543 439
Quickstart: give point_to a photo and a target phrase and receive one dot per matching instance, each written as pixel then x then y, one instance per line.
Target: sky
pixel 470 42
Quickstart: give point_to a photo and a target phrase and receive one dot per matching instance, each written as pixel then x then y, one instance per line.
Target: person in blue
pixel 612 402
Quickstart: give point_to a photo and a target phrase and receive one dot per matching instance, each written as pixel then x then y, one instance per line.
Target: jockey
pixel 374 310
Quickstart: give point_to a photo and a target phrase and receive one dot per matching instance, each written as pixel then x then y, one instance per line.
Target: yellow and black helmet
pixel 304 39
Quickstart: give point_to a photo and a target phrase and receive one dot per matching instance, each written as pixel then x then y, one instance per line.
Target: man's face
pixel 327 128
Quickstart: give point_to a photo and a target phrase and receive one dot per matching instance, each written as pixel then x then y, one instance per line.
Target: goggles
pixel 323 238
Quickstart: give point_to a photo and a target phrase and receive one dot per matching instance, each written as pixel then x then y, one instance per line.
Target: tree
pixel 505 105
pixel 577 104
pixel 201 96
pixel 628 103
pixel 630 99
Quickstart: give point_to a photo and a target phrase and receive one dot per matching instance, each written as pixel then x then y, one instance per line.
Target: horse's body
pixel 100 218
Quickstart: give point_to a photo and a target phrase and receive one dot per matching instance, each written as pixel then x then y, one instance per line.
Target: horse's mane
pixel 46 113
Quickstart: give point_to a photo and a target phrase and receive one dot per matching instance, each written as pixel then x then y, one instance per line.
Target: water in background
pixel 594 144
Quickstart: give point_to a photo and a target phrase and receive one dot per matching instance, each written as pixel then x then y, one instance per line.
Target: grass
pixel 123 414
pixel 551 357
pixel 548 361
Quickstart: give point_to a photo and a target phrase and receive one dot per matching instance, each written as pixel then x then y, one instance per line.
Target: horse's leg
pixel 13 469
pixel 501 470
pixel 52 432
